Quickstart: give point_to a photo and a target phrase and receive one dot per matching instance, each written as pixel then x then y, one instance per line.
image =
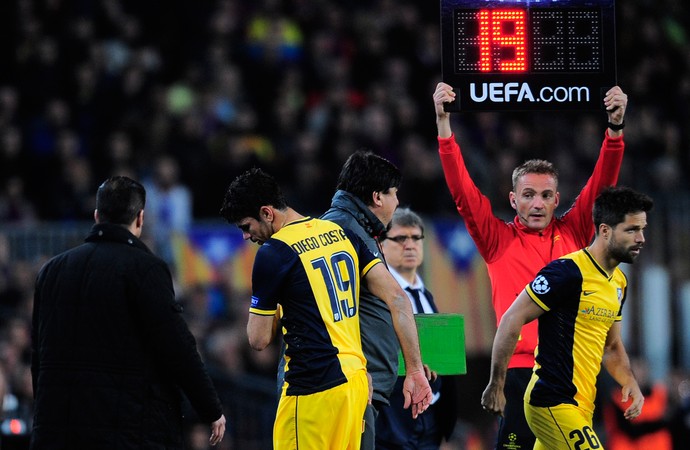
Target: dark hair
pixel 614 203
pixel 405 217
pixel 119 200
pixel 365 172
pixel 538 166
pixel 248 193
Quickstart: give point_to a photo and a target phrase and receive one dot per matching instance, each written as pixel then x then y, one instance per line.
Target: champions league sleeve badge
pixel 540 285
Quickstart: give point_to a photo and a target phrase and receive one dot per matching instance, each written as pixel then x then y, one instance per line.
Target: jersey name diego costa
pixel 312 268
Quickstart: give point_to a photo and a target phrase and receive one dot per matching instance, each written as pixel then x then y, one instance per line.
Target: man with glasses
pixel 395 429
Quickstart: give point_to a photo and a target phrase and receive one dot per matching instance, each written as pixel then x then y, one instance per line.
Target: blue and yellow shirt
pixel 582 303
pixel 312 268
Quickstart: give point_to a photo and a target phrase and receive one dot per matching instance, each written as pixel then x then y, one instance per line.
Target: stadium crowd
pixel 186 95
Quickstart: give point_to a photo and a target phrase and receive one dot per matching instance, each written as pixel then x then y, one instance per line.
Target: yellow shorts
pixel 331 419
pixel 562 427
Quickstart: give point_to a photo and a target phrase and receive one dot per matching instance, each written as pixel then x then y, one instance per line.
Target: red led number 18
pixel 502 42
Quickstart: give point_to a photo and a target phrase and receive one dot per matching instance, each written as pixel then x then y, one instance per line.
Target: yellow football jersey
pixel 312 268
pixel 582 303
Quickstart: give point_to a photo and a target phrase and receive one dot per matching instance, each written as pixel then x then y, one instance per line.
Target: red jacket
pixel 512 252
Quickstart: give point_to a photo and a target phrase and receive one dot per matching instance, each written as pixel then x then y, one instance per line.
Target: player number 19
pixel 339 275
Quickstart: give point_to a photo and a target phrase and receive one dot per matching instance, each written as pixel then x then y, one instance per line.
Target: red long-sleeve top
pixel 513 253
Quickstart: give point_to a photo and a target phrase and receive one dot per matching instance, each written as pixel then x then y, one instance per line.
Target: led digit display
pixel 491 40
pixel 558 53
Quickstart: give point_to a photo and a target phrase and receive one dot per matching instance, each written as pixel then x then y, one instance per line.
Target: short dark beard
pixel 621 254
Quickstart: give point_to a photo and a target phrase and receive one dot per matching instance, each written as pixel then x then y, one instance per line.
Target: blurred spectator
pixel 72 197
pixel 16 285
pixel 273 38
pixel 117 157
pixel 168 204
pixel 680 409
pixel 9 103
pixel 15 207
pixel 13 161
pixel 224 349
pixel 647 431
pixel 4 385
pixel 422 174
pixel 17 400
pixel 9 295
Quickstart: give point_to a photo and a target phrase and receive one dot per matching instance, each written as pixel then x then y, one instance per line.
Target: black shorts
pixel 513 431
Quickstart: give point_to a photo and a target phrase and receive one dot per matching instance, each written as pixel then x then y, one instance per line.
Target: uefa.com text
pixel 521 92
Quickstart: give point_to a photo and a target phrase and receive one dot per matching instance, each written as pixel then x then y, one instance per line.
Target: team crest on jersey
pixel 540 285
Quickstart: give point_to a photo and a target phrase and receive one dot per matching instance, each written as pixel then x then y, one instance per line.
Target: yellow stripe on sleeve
pixel 369 266
pixel 536 300
pixel 262 312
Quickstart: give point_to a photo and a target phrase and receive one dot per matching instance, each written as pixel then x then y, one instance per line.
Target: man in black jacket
pixel 111 353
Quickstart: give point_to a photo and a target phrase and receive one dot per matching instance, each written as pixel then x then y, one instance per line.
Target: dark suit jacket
pixel 111 351
pixel 395 424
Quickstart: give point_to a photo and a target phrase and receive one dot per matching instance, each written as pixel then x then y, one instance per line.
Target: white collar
pixel 418 283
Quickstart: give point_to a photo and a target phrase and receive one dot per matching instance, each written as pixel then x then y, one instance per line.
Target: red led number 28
pixel 502 41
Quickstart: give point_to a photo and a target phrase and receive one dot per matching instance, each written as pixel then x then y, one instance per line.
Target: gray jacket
pixel 379 341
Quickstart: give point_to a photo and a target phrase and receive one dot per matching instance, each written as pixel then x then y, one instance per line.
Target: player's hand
pixel 615 102
pixel 217 431
pixel 417 392
pixel 632 391
pixel 443 94
pixel 494 399
pixel 370 382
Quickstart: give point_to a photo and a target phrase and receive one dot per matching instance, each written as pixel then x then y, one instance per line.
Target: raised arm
pixel 617 364
pixel 615 102
pixel 522 311
pixel 443 94
pixel 605 171
pixel 491 234
pixel 416 389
